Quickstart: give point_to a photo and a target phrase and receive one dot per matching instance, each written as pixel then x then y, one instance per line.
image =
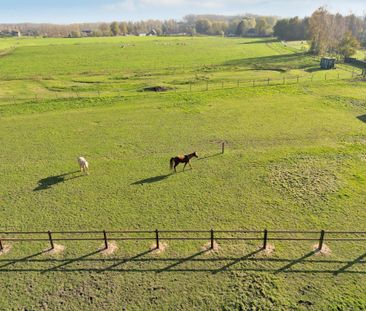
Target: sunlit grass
pixel 294 159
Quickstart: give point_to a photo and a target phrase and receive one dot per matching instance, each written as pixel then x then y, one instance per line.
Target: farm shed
pixel 87 33
pixel 327 63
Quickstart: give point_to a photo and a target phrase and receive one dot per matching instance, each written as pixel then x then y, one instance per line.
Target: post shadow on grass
pixel 70 261
pixel 138 259
pixel 23 259
pixel 296 261
pixel 126 260
pixel 358 260
pixel 209 156
pixel 237 260
pixel 182 260
pixel 49 182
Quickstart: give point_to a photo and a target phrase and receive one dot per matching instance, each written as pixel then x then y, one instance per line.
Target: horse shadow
pixel 155 179
pixel 362 118
pixel 152 180
pixel 49 182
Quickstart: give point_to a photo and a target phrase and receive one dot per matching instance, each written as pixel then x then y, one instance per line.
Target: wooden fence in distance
pixel 156 236
pixel 200 86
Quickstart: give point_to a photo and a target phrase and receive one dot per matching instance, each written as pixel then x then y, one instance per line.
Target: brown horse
pixel 182 159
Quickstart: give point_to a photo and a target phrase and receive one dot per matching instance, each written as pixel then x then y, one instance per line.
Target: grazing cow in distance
pixel 84 165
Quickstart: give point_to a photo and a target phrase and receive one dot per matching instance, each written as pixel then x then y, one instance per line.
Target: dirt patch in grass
pixel 112 248
pixel 6 249
pixel 306 179
pixel 207 248
pixel 162 247
pixel 268 251
pixel 325 251
pixel 57 250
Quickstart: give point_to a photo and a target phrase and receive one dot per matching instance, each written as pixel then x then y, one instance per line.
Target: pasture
pixel 295 159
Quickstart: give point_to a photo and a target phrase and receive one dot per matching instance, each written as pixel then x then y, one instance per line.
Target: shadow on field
pixel 260 41
pixel 70 261
pixel 148 262
pixel 151 180
pixel 126 260
pixel 209 156
pixel 362 118
pixel 294 262
pixel 350 264
pixel 23 259
pixel 314 69
pixel 47 183
pixel 237 260
pixel 155 179
pixel 183 260
pixel 283 60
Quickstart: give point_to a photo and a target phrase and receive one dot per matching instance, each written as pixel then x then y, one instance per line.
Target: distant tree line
pixel 327 33
pixel 248 25
pixel 46 30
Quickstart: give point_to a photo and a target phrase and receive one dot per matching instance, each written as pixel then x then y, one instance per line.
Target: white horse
pixel 84 165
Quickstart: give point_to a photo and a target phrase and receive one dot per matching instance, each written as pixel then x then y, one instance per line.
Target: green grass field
pixel 121 66
pixel 295 159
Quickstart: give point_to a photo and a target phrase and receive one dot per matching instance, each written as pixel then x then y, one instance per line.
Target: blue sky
pixel 69 11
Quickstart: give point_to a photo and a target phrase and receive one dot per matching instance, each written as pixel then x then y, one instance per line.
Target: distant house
pixel 152 33
pixel 86 33
pixel 10 33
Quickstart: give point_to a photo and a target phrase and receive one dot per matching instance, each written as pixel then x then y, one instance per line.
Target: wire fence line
pixel 157 236
pixel 190 86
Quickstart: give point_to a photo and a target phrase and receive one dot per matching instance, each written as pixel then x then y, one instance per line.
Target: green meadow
pixel 295 159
